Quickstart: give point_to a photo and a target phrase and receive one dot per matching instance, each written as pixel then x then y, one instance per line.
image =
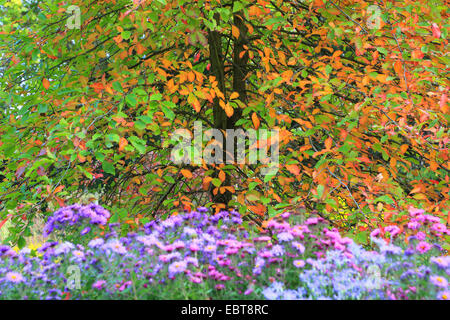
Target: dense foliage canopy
pixel 356 89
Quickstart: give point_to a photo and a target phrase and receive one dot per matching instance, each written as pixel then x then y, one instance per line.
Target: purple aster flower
pixel 14 277
pixel 391 249
pixel 191 260
pixel 439 281
pixel 202 209
pixel 116 246
pixel 442 262
pixel 64 248
pixel 277 250
pixel 96 243
pixel 177 267
pixel 300 247
pixel 270 294
pixel 210 248
pixel 85 231
pixel 444 295
pixel 285 236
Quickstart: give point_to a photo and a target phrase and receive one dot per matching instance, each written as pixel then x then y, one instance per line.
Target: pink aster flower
pixel 393 230
pixel 99 284
pixel 439 227
pixel 195 279
pixel 423 247
pixel 312 221
pixel 413 225
pixel 375 232
pixel 262 239
pixel 421 236
pixel 414 211
pixel 431 218
pixel 299 263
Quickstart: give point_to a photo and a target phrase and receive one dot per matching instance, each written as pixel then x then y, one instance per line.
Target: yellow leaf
pixel 234 95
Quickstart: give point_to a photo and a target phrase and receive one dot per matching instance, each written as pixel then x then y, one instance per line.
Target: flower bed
pixel 197 255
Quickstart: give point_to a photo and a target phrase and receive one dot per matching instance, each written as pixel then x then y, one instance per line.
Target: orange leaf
pixel 58 189
pixel 186 173
pixel 234 95
pixel 255 120
pixel 229 110
pixel 45 83
pixel 328 143
pixel 398 67
pixel 403 148
pixel 222 176
pixel 122 143
pixel 235 31
pixel 293 168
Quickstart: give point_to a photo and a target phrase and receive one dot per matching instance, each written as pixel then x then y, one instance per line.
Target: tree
pixel 356 89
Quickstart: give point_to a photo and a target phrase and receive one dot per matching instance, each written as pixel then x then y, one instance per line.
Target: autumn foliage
pixel 357 89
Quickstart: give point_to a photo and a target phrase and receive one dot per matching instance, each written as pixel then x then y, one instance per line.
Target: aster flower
pixel 393 230
pixel 99 284
pixel 439 281
pixel 270 294
pixel 277 250
pixel 413 225
pixel 210 248
pixel 299 263
pixel 414 211
pixel 423 247
pixel 177 267
pixel 116 246
pixel 14 277
pixel 444 295
pixel 96 243
pixel 442 262
pixel 285 237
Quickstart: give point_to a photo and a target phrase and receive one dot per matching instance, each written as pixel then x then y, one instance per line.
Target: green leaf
pixel 320 189
pixel 131 99
pixel 108 167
